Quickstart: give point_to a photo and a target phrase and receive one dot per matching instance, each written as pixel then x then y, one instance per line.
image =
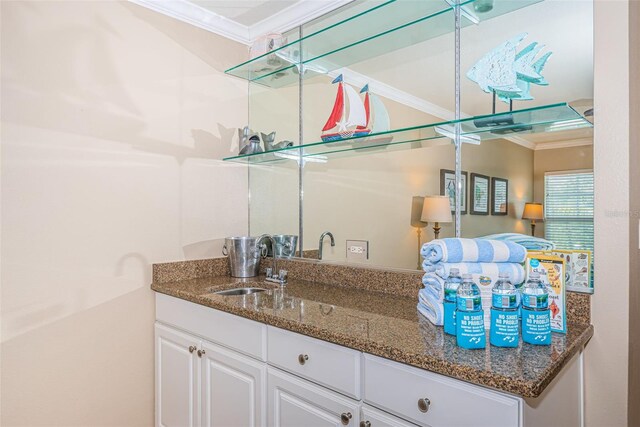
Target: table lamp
pixel 533 211
pixel 416 214
pixel 436 209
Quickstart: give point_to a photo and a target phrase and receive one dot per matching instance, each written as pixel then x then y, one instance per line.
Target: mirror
pixel 369 193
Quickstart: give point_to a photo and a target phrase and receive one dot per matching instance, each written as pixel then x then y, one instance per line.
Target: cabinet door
pixel 177 376
pixel 372 417
pixel 232 389
pixel 295 402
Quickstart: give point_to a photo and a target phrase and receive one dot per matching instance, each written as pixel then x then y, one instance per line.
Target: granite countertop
pixel 388 326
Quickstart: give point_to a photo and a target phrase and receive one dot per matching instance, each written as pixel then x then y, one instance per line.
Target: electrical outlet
pixel 357 250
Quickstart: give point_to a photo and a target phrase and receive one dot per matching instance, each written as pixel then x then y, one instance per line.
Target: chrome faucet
pixel 273 274
pixel 322 236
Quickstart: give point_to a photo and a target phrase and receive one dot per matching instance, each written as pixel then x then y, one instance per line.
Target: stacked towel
pixel 490 269
pixel 483 259
pixel 430 308
pixel 529 242
pixel 472 250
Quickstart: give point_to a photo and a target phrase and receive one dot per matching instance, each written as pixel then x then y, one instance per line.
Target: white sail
pixel 357 115
pixel 381 121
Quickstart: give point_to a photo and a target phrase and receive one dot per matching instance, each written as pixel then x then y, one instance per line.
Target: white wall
pixel 606 356
pixel 113 118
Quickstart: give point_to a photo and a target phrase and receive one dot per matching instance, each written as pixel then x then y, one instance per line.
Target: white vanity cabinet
pixel 294 402
pixel 372 417
pixel 221 370
pixel 199 383
pixel 177 378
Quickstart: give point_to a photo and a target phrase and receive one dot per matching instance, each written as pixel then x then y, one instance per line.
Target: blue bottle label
pixel 450 317
pixel 505 328
pixel 535 301
pixel 536 327
pixel 450 295
pixel 470 330
pixel 504 301
pixel 469 303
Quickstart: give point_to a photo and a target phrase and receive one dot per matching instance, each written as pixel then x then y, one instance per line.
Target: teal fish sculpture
pixel 509 73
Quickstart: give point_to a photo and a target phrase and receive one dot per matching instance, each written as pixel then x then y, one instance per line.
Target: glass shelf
pixel 362 31
pixel 474 130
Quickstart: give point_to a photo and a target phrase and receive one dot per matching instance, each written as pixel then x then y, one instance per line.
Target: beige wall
pixel 634 219
pixel 112 118
pixel 606 355
pixel 501 159
pixel 555 160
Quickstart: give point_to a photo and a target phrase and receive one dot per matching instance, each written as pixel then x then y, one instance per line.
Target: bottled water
pixel 504 313
pixel 469 315
pixel 536 320
pixel 450 289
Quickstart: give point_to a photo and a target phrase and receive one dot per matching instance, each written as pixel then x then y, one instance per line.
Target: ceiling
pixel 245 12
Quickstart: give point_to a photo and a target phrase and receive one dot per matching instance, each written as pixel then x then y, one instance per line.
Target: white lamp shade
pixel 436 209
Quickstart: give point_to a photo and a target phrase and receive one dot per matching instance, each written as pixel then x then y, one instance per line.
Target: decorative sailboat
pixel 377 121
pixel 348 118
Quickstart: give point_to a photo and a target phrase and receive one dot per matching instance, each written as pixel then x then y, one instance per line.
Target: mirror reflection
pixel 370 195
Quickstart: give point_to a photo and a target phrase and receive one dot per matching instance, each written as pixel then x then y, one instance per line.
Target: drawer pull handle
pixel 302 358
pixel 365 423
pixel 345 418
pixel 201 353
pixel 424 404
pixel 192 348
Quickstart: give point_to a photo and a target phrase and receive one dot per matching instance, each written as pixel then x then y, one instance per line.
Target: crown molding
pixel 521 141
pixel 293 16
pixel 286 19
pixel 195 15
pixel 552 145
pixel 379 88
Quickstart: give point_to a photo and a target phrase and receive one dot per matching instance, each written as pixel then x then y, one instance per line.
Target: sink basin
pixel 240 291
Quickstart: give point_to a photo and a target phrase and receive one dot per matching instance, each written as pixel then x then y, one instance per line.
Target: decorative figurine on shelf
pixel 249 141
pixel 348 117
pixel 283 144
pixel 267 140
pixel 509 74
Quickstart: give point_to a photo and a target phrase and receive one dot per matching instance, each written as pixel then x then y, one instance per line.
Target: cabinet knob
pixel 302 358
pixel 201 352
pixel 365 423
pixel 345 418
pixel 424 404
pixel 192 348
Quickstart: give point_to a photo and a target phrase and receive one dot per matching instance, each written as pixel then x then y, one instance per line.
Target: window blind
pixel 568 209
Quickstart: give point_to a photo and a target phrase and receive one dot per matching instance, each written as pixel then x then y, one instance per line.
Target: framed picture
pixel 499 196
pixel 448 188
pixel 479 194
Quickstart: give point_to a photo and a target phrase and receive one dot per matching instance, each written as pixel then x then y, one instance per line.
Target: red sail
pixel 338 107
pixel 367 112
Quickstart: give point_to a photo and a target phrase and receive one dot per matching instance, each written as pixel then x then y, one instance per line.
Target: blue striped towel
pixel 477 269
pixel 430 308
pixel 434 285
pixel 471 250
pixel 530 242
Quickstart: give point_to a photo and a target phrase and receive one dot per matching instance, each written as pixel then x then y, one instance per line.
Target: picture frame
pixel 447 188
pixel 480 195
pixel 499 196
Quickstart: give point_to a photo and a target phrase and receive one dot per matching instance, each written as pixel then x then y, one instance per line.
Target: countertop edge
pixel 524 389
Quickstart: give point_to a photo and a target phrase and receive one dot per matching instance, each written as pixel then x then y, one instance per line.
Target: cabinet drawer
pixel 293 402
pixel 238 333
pixel 397 388
pixel 330 365
pixel 372 417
